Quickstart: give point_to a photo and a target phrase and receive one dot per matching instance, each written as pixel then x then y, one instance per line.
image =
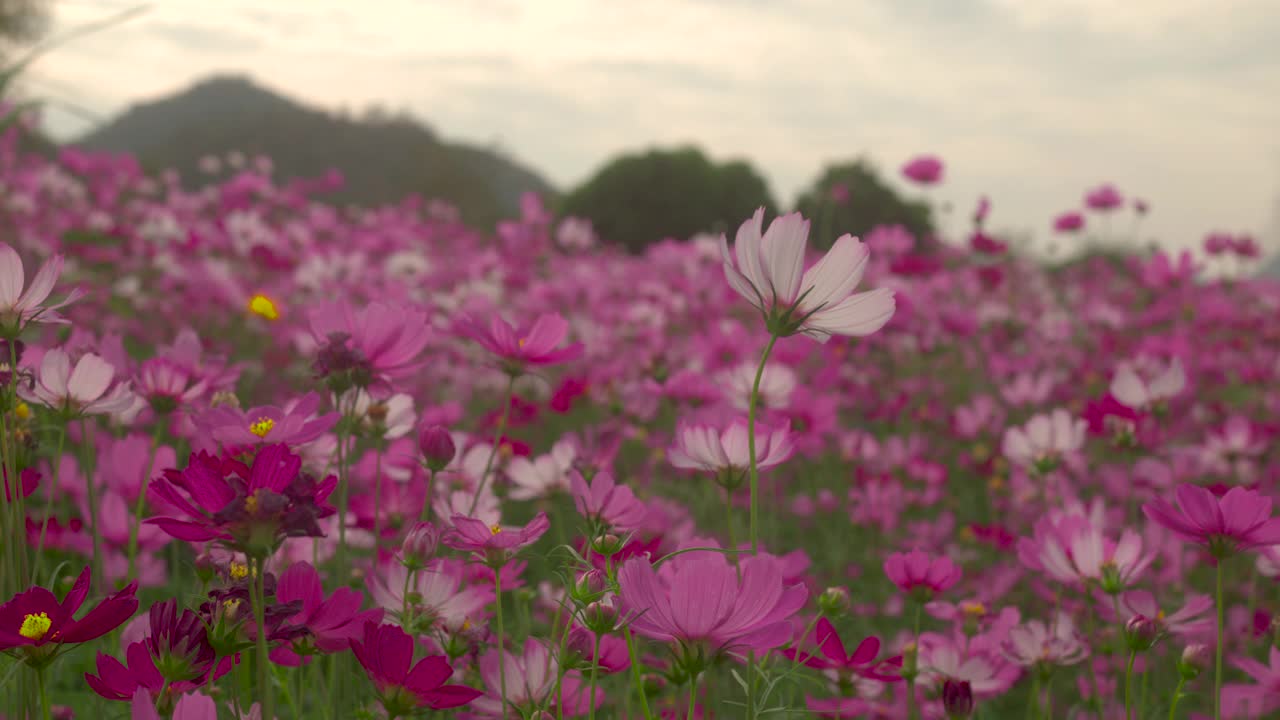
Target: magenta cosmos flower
pixel 1103 198
pixel 861 662
pixel 535 344
pixel 923 169
pixel 35 618
pixel 331 623
pixel 494 543
pixel 251 509
pixel 386 653
pixel 768 270
pixel 18 308
pixel 919 573
pixel 294 424
pixel 1068 222
pixel 1239 520
pixel 702 604
pixel 85 389
pixel 1073 549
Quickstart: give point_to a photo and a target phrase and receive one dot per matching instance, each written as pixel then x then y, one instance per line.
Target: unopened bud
pixel 437 448
pixel 206 568
pixel 419 545
pixel 607 544
pixel 1141 633
pixel 1195 660
pixel 957 699
pixel 600 617
pixel 834 602
pixel 589 587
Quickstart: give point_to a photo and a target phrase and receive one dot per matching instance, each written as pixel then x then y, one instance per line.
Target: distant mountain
pixel 383 158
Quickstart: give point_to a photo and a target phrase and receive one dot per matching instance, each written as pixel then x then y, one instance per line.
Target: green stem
pixel 41 688
pixel 1033 699
pixel 1217 661
pixel 497 439
pixel 344 498
pixel 635 673
pixel 728 523
pixel 377 500
pixel 502 647
pixel 1128 684
pixel 288 694
pixel 258 585
pixel 912 711
pixel 693 694
pixel 406 619
pixel 752 403
pixel 142 498
pixel 1177 695
pixel 48 505
pixel 595 671
pixel 87 468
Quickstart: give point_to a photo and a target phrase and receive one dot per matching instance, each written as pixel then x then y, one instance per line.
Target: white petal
pixel 90 379
pixel 836 274
pixel 1128 388
pixel 55 369
pixel 747 246
pixel 859 314
pixel 42 284
pixel 783 251
pixel 11 276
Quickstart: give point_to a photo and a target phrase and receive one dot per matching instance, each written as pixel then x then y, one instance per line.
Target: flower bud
pixel 957 699
pixel 834 602
pixel 589 587
pixel 1195 659
pixel 437 448
pixel 600 617
pixel 206 568
pixel 419 546
pixel 1141 633
pixel 607 544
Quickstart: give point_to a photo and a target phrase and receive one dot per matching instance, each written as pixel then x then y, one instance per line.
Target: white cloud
pixel 1029 102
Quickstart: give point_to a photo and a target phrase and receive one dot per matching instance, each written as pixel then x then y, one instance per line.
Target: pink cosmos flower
pixel 1135 392
pixel 437 596
pixel 918 572
pixel 1192 619
pixel 607 502
pixel 1069 222
pixel 1056 644
pixel 374 344
pixel 543 475
pixel 923 169
pixel 18 308
pixel 1260 698
pixel 1073 549
pixel 530 679
pixel 192 706
pixel 768 271
pixel 494 543
pixel 1103 198
pixel 83 390
pixel 386 653
pixel 710 449
pixel 1239 520
pixel 1044 440
pixel 534 344
pixel 331 624
pixel 698 600
pixel 294 424
pixel 166 385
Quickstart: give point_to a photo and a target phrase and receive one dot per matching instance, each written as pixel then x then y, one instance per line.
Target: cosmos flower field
pixel 264 457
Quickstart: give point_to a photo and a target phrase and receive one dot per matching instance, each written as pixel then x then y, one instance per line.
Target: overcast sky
pixel 1032 102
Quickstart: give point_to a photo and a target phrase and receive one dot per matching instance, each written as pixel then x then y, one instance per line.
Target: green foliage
pixel 382 158
pixel 870 202
pixel 641 198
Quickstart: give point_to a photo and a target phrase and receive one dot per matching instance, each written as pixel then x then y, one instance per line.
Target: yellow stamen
pixel 22 411
pixel 521 342
pixel 262 306
pixel 466 624
pixel 36 626
pixel 239 571
pixel 973 609
pixel 263 426
pixel 495 528
pixel 230 606
pixel 251 504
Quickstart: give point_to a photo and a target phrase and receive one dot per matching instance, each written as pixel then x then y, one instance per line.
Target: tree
pixel 850 197
pixel 641 198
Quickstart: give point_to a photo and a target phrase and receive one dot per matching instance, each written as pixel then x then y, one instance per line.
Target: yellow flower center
pixel 262 306
pixel 973 609
pixel 22 411
pixel 466 624
pixel 521 342
pixel 230 607
pixel 240 571
pixel 495 528
pixel 262 427
pixel 35 626
pixel 251 504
